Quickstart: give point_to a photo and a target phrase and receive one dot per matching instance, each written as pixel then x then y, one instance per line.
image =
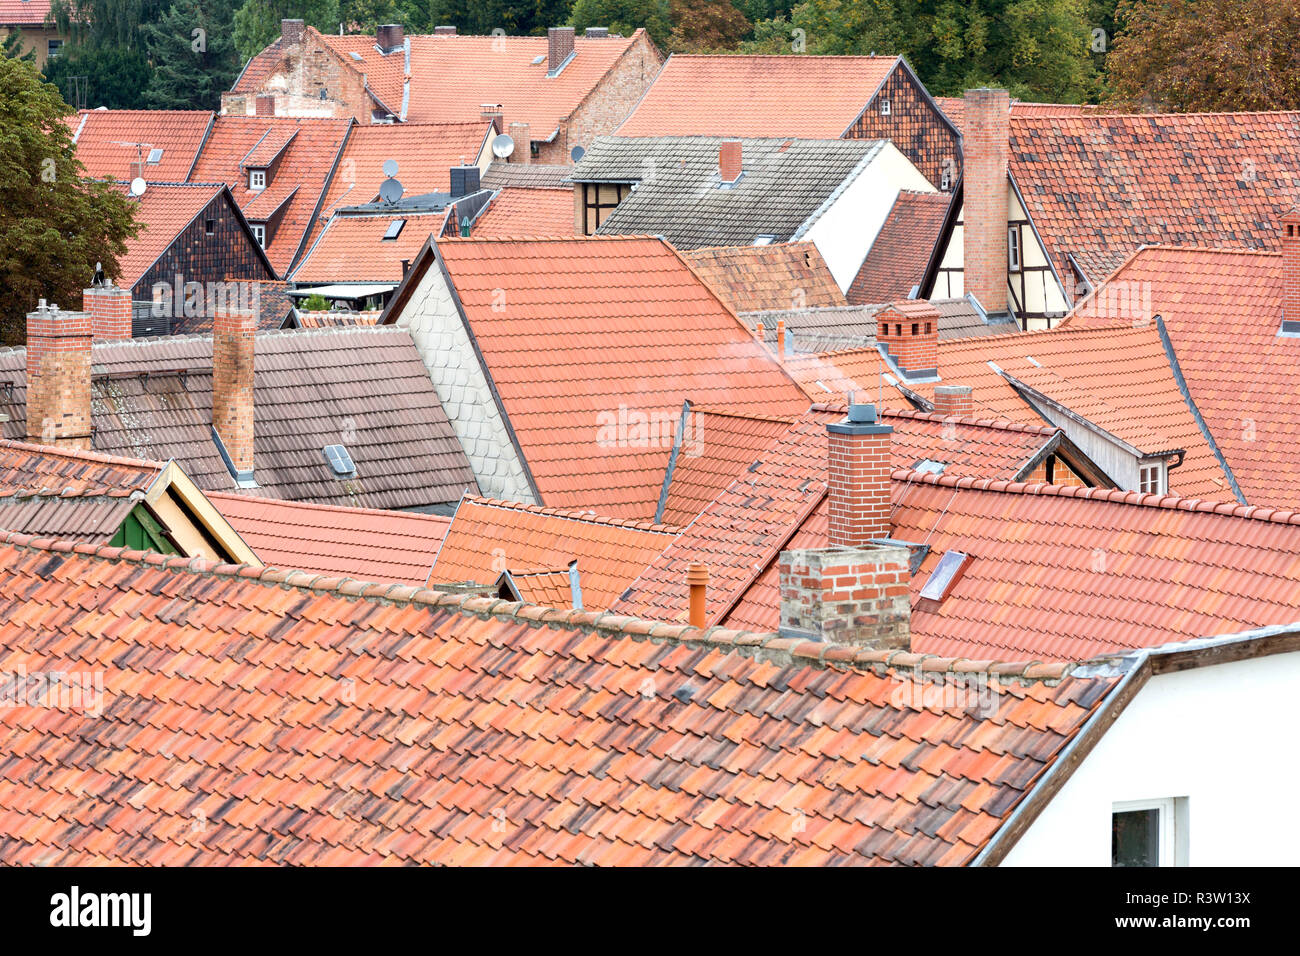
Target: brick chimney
pixel 291 32
pixel 954 400
pixel 492 112
pixel 987 126
pixel 521 133
pixel 559 48
pixel 909 331
pixel 388 36
pixel 858 478
pixel 444 31
pixel 110 311
pixel 232 387
pixel 58 377
pixel 730 161
pixel 264 105
pixel 847 595
pixel 1291 268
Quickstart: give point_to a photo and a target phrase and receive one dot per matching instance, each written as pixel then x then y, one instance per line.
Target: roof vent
pixel 340 461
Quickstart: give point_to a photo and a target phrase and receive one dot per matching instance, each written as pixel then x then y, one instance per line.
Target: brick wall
pixel 110 312
pixel 858 472
pixel 1054 470
pixel 309 80
pixel 911 333
pixel 232 383
pixel 58 377
pixel 913 125
pixel 1291 266
pixel 954 400
pixel 608 104
pixel 847 595
pixel 984 188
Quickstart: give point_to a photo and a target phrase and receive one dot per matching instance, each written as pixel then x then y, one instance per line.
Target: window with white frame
pixel 1149 832
pixel 884 106
pixel 257 179
pixel 1013 248
pixel 1151 478
pixel 259 233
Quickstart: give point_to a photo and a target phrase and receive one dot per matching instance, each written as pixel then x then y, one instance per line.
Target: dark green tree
pixel 625 17
pixel 114 76
pixel 193 55
pixel 257 22
pixel 54 226
pixel 705 26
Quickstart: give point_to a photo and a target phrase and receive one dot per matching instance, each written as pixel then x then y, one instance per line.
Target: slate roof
pixel 365 388
pixel 630 308
pixel 782 189
pixel 109 141
pixel 895 263
pixel 296 186
pixel 360 543
pixel 1222 309
pixel 814 97
pixel 402 727
pixel 1100 185
pixel 487 537
pixel 352 247
pixel 780 276
pixel 523 211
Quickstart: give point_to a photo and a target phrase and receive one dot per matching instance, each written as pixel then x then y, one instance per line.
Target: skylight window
pixel 155 157
pixel 764 240
pixel 340 461
pixel 354 54
pixel 930 466
pixel 945 576
pixel 394 229
pixel 538 60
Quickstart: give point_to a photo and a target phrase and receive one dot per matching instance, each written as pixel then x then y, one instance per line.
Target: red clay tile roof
pixel 109 141
pixel 896 262
pixel 352 247
pixel 361 543
pixel 789 275
pixel 519 211
pixel 954 107
pixel 27 13
pixel 1099 186
pixel 601 342
pixel 69 471
pixel 547 588
pixel 297 183
pixel 164 212
pixel 390 725
pixel 487 537
pixel 812 97
pixel 336 320
pixel 1223 309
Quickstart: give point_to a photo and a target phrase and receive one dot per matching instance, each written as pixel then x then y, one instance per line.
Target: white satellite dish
pixel 503 146
pixel 390 190
pixel 577 153
pixel 390 168
pixel 138 186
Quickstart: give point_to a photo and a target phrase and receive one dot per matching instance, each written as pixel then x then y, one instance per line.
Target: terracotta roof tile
pixel 341 757
pixel 954 107
pixel 896 261
pixel 67 471
pixel 780 276
pixel 110 141
pixel 734 95
pixel 520 211
pixel 164 212
pixel 352 247
pixel 30 13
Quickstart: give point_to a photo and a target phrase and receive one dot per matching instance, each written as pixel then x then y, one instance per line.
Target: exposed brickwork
pixel 110 312
pixel 858 470
pixel 307 79
pixel 232 383
pixel 731 161
pixel 914 126
pixel 847 595
pixel 522 134
pixel 950 400
pixel 58 377
pixel 984 188
pixel 1053 470
pixel 559 47
pixel 1291 265
pixel 910 330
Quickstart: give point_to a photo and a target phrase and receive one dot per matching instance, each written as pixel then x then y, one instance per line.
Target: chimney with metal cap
pixel 110 311
pixel 858 478
pixel 58 377
pixel 444 31
pixel 495 114
pixel 388 37
pixel 291 32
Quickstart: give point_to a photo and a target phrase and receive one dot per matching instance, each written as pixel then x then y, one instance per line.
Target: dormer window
pixel 1151 478
pixel 257 179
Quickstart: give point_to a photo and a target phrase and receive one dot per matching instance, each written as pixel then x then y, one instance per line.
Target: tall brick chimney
pixel 987 126
pixel 909 330
pixel 954 401
pixel 731 161
pixel 859 468
pixel 495 114
pixel 847 595
pixel 292 32
pixel 389 37
pixel 58 377
pixel 110 311
pixel 559 49
pixel 521 133
pixel 1291 268
pixel 232 387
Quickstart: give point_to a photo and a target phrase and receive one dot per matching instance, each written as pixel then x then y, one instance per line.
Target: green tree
pixel 194 57
pixel 625 17
pixel 13 47
pixel 701 26
pixel 114 76
pixel 257 22
pixel 1200 56
pixel 106 22
pixel 364 15
pixel 54 226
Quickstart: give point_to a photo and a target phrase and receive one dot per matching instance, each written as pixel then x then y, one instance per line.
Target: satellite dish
pixel 390 168
pixel 503 146
pixel 138 186
pixel 577 153
pixel 391 190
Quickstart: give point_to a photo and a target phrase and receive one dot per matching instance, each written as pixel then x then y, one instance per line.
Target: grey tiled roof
pixel 364 388
pixel 678 194
pixel 534 175
pixel 959 319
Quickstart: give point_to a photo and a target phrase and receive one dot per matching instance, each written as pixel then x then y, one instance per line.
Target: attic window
pixel 209 227
pixel 945 576
pixel 394 229
pixel 539 59
pixel 1013 248
pixel 355 55
pixel 259 232
pixel 764 240
pixel 929 466
pixel 257 179
pixel 1151 478
pixel 340 461
pixel 945 181
pixel 884 106
pixel 155 157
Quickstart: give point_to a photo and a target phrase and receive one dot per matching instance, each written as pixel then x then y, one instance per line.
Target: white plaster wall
pixel 844 232
pixel 1221 736
pixel 435 325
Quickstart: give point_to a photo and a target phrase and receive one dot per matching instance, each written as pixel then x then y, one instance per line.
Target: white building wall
pixel 1221 737
pixel 844 232
pixel 435 325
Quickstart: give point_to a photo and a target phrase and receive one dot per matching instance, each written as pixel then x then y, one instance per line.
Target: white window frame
pixel 1173 827
pixel 1151 478
pixel 1013 248
pixel 884 106
pixel 259 233
pixel 257 179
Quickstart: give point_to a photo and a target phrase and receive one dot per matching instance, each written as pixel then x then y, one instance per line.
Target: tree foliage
pixel 625 17
pixel 13 47
pixel 257 22
pixel 702 26
pixel 114 76
pixel 193 55
pixel 1194 55
pixel 54 226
